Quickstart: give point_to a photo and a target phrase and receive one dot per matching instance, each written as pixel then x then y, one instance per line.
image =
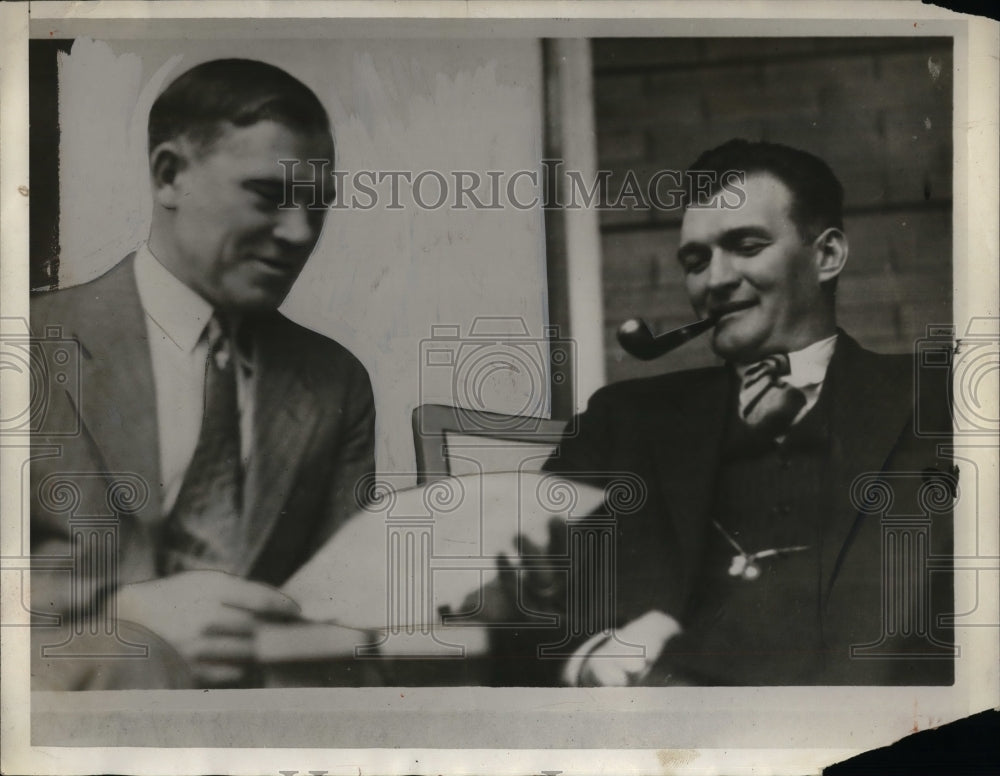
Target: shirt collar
pixel 179 312
pixel 808 366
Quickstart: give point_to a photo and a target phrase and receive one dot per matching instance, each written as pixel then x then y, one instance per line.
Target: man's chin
pixel 730 346
pixel 256 300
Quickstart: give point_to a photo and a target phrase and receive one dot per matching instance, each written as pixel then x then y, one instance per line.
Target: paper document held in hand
pixel 412 553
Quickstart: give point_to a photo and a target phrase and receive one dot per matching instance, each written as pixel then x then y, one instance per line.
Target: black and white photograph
pixel 496 390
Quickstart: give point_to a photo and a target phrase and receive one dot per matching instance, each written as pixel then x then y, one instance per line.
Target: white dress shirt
pixel 176 318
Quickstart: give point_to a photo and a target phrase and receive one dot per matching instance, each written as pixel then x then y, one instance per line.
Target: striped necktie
pixel 769 404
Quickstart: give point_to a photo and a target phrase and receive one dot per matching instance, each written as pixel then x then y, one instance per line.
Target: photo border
pixel 681 729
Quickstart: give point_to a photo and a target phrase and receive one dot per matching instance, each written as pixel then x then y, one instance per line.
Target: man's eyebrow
pixel 267 186
pixel 727 239
pixel 264 180
pixel 733 236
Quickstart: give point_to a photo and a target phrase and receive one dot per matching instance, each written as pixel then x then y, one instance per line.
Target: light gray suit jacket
pixel 313 444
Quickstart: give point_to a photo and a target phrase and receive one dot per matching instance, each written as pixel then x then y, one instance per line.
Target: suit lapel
pixel 117 396
pixel 866 419
pixel 687 452
pixel 285 417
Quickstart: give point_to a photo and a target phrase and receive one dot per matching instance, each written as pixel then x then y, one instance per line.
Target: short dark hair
pixel 241 92
pixel 817 195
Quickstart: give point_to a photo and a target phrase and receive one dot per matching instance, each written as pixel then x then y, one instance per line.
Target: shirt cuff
pixel 571 671
pixel 652 630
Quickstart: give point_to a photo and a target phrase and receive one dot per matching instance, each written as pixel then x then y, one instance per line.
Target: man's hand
pixel 541 584
pixel 604 665
pixel 209 617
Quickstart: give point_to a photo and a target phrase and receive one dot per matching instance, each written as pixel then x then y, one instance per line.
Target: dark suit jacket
pixel 669 431
pixel 313 442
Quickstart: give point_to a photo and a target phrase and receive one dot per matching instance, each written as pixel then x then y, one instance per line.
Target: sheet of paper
pixel 416 551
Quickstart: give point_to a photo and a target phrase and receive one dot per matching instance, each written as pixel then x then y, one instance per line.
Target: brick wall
pixel 877 110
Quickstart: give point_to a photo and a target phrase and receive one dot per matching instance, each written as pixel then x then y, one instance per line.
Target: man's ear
pixel 831 254
pixel 166 161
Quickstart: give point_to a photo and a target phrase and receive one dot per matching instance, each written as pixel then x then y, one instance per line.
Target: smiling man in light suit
pixel 246 432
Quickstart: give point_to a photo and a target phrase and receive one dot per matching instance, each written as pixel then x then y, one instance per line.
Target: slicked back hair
pixel 817 195
pixel 241 92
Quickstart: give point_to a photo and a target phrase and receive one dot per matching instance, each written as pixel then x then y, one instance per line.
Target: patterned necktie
pixel 203 529
pixel 769 403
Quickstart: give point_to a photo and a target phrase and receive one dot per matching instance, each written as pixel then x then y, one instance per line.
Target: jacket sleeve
pixel 584 449
pixel 354 456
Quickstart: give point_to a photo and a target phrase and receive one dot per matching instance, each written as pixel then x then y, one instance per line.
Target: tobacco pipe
pixel 637 340
pixel 634 335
